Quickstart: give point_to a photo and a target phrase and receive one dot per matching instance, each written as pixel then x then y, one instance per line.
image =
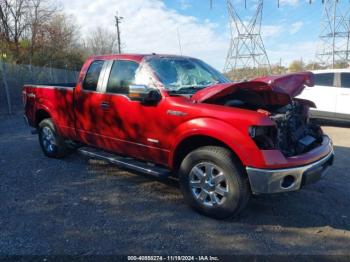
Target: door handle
pixel 104 105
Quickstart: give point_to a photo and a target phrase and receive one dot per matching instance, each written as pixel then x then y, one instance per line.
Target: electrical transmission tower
pixel 334 35
pixel 247 50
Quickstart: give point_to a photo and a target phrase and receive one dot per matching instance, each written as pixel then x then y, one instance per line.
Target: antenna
pixel 334 35
pixel 247 50
pixel 179 40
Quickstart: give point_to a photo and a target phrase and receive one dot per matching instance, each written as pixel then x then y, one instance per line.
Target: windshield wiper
pixel 188 88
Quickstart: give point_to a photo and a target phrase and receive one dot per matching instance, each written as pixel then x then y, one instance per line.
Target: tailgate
pixel 29 103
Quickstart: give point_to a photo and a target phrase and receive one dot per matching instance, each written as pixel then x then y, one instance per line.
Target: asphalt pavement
pixel 79 206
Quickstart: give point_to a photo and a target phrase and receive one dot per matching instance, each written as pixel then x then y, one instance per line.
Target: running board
pixel 126 162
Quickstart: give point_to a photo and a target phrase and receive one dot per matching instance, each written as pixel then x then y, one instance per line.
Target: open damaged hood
pixel 277 89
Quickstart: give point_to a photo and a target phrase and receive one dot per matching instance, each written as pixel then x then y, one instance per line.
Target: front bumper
pixel 287 179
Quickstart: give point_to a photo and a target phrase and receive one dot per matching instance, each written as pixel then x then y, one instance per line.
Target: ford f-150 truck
pixel 169 115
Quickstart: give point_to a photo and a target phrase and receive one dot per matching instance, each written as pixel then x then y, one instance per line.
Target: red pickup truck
pixel 169 115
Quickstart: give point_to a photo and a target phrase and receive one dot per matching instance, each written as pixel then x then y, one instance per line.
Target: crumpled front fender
pixel 240 143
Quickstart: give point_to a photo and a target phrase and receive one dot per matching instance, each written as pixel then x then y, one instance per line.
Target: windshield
pixel 184 75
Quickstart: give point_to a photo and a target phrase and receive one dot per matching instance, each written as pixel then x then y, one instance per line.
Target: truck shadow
pixel 100 208
pixel 324 203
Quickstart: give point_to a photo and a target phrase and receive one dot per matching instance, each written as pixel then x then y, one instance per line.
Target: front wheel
pixel 52 144
pixel 213 182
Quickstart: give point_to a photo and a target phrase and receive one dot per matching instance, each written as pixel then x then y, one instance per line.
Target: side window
pixel 122 75
pixel 345 80
pixel 92 75
pixel 324 79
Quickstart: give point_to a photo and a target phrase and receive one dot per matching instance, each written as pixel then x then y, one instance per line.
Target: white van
pixel 331 94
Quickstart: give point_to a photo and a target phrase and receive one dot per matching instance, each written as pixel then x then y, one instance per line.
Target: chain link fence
pixel 13 77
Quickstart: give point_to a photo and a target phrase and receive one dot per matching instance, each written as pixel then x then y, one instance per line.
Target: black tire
pixel 236 184
pixel 58 147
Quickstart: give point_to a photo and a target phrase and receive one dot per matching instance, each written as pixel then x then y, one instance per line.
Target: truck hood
pixel 276 89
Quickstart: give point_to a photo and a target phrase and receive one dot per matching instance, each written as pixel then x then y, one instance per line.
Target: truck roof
pixel 341 70
pixel 135 57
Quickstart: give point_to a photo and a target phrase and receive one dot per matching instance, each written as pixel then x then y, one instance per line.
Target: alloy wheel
pixel 208 184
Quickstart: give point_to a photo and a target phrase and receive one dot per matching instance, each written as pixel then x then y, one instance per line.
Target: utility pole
pixel 334 23
pixel 347 42
pixel 280 67
pixel 118 20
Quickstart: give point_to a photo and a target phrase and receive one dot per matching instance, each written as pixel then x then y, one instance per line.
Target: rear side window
pixel 345 80
pixel 325 79
pixel 122 75
pixel 92 75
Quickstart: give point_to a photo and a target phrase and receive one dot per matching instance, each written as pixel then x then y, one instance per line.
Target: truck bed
pixel 59 85
pixel 54 98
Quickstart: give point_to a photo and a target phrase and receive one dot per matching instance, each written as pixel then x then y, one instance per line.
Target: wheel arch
pixel 190 143
pixel 210 131
pixel 40 115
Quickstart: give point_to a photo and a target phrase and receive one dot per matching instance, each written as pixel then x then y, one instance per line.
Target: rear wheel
pixel 52 144
pixel 213 182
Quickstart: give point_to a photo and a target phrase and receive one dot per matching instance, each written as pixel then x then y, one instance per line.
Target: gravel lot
pixel 81 206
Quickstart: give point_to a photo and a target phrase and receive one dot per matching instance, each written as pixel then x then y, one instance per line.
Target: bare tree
pixel 21 21
pixel 39 15
pixel 13 21
pixel 35 32
pixel 101 42
pixel 57 39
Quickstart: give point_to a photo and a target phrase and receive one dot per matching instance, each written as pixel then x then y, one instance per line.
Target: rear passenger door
pixel 323 94
pixel 90 109
pixel 343 94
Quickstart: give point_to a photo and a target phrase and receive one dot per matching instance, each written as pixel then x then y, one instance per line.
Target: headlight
pixel 264 136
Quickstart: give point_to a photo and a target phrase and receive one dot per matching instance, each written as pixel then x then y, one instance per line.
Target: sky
pixel 289 32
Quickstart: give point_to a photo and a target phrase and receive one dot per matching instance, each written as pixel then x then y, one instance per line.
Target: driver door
pixel 133 129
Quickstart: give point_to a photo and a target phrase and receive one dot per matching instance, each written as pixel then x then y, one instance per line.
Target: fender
pixel 46 105
pixel 238 142
pixel 61 121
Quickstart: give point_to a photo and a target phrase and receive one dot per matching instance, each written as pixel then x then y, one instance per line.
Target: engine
pixel 295 134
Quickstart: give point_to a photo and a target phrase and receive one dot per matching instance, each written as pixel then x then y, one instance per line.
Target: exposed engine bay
pixel 293 135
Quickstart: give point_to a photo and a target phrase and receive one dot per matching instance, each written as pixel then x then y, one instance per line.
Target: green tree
pixel 296 66
pixel 340 65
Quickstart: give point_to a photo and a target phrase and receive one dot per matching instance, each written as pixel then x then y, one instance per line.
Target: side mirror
pixel 144 94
